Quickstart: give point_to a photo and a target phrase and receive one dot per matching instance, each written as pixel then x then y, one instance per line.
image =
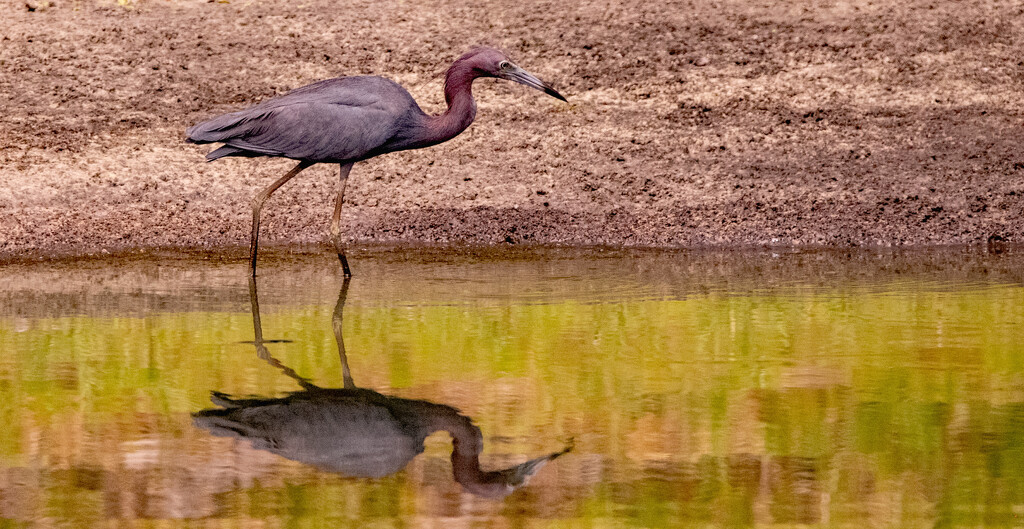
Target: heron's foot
pixel 344 265
pixel 339 247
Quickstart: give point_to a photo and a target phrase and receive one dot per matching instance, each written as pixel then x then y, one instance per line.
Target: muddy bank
pixel 689 123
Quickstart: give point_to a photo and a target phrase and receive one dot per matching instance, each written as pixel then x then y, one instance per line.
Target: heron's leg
pixel 336 219
pixel 336 323
pixel 257 205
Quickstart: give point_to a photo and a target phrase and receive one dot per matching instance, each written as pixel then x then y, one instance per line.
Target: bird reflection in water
pixel 353 431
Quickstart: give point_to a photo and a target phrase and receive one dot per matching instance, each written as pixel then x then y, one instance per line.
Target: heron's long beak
pixel 521 76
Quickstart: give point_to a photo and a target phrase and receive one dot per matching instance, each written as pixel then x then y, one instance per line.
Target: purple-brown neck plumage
pixel 458 93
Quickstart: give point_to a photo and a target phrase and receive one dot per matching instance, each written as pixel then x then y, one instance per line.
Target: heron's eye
pixel 503 65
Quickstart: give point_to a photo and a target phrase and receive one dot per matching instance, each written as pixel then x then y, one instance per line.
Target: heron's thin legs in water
pixel 336 220
pixel 336 321
pixel 257 205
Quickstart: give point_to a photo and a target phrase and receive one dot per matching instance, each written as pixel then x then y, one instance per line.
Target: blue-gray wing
pixel 336 120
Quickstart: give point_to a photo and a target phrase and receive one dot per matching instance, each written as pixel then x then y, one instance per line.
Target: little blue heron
pixel 349 119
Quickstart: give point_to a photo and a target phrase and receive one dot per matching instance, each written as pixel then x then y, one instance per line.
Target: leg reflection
pixel 336 323
pixel 261 349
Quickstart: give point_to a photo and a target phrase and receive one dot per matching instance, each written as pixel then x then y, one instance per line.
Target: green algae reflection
pixel 698 391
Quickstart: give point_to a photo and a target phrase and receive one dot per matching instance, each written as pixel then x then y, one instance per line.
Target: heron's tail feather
pixel 222 128
pixel 229 128
pixel 227 150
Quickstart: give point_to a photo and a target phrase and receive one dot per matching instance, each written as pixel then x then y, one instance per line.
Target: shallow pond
pixel 838 389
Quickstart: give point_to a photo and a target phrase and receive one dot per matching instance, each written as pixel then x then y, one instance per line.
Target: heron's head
pixel 491 62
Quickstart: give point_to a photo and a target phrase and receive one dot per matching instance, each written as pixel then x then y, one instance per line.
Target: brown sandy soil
pixel 689 124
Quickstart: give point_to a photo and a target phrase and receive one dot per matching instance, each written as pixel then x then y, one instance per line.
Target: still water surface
pixel 690 389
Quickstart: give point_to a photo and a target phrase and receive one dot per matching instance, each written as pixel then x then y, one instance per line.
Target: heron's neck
pixel 458 93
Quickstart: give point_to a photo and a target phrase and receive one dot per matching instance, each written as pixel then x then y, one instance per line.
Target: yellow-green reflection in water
pixel 697 389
